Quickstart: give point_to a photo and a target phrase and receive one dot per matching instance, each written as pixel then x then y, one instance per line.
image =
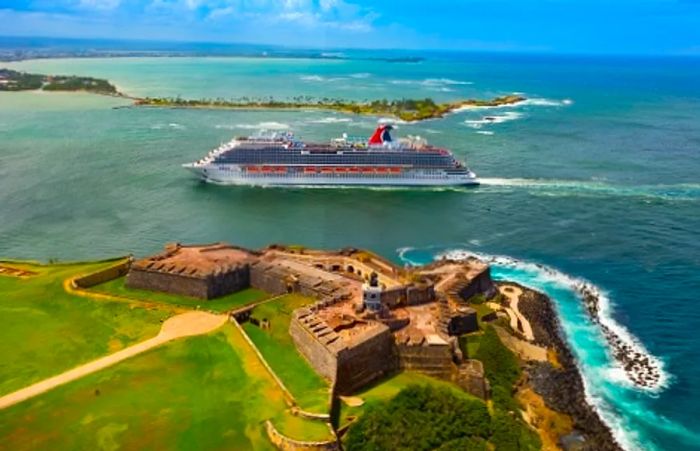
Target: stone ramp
pixel 179 326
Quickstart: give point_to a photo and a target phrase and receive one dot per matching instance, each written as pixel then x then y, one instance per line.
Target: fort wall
pixel 433 360
pixel 480 284
pixel 217 284
pixel 312 338
pixel 104 275
pixel 168 283
pixel 282 442
pixel 373 357
pixel 265 277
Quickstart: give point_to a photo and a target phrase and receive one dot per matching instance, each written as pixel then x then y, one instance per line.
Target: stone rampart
pixel 168 283
pixel 313 339
pixel 215 285
pixel 284 443
pixel 371 358
pixel 480 284
pixel 104 275
pixel 267 277
pixel 433 360
pixel 407 295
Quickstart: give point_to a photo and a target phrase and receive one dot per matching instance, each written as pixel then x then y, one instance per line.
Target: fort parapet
pixel 203 272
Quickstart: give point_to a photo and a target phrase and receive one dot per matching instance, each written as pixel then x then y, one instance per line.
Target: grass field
pixel 309 389
pixel 208 392
pixel 386 389
pixel 222 304
pixel 46 331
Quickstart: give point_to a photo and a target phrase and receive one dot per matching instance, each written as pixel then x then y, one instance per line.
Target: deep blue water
pixel 597 178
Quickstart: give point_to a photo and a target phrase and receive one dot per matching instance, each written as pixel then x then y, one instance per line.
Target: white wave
pixel 263 126
pixel 431 82
pixel 171 125
pixel 331 120
pixel 319 78
pixel 445 81
pixel 493 119
pixel 485 132
pixel 539 101
pixel 361 75
pixel 618 335
pixel 535 101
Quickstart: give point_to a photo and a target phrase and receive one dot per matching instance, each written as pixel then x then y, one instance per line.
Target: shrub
pixel 420 418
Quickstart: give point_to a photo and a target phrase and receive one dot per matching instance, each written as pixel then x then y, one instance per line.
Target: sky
pixel 646 27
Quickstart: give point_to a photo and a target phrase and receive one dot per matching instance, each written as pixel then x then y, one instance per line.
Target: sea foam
pixel 493 119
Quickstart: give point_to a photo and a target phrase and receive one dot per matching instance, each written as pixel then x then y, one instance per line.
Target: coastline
pixel 562 388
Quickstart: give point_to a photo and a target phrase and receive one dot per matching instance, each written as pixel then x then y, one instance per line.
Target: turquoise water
pixel 595 179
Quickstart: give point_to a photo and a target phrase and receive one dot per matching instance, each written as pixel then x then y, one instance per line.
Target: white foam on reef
pixel 484 132
pixel 493 119
pixel 538 101
pixel 331 120
pixel 171 125
pixel 432 82
pixel 319 78
pixel 642 370
pixel 361 75
pixel 263 126
pixel 535 101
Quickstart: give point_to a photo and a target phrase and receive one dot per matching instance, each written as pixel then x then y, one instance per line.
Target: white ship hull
pixel 234 175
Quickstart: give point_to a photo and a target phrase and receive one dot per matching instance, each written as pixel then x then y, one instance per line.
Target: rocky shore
pixel 561 386
pixel 642 370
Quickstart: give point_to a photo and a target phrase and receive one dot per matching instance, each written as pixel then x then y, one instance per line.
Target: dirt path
pixel 516 318
pixel 184 325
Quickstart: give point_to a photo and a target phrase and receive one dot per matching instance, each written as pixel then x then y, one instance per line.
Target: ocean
pixel 594 181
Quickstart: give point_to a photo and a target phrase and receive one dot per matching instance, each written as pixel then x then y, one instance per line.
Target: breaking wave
pixel 171 125
pixel 260 126
pixel 493 119
pixel 432 82
pixel 319 78
pixel 485 132
pixel 331 120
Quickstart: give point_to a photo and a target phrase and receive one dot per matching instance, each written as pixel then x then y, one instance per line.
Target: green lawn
pixel 207 392
pixel 46 331
pixel 222 304
pixel 309 389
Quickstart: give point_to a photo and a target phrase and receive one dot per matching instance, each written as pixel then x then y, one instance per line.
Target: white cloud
pixel 100 4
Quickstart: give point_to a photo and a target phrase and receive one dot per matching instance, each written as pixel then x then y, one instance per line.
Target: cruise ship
pixel 279 159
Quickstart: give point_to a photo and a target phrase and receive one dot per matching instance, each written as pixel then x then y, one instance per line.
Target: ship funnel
pixel 381 135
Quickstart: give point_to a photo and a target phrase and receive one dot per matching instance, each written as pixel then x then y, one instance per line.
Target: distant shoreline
pixel 13 56
pixel 409 110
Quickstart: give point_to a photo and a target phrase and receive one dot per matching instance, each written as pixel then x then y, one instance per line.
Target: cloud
pixel 105 5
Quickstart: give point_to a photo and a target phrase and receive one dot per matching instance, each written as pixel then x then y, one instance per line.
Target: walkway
pixel 517 320
pixel 179 326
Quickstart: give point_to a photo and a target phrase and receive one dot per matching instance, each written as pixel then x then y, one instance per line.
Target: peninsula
pixel 11 80
pixel 409 110
pixel 286 347
pixel 404 109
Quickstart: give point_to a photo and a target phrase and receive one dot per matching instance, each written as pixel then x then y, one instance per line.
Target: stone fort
pixel 371 318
